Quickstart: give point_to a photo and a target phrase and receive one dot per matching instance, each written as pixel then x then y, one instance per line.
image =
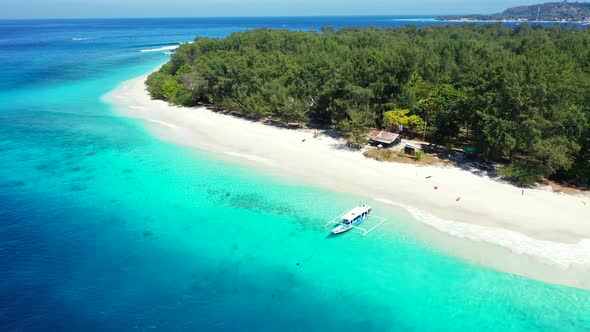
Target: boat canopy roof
pixel 357 211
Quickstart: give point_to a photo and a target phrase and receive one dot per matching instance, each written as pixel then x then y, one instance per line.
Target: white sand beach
pixel 551 226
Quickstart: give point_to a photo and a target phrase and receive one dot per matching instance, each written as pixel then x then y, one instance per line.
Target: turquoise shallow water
pixel 105 228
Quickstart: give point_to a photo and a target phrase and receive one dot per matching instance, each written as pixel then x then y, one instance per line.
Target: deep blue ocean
pixel 103 227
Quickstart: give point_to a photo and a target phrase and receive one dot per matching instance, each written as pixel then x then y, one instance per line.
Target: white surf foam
pixel 251 157
pixel 560 254
pixel 122 97
pixel 160 49
pixel 80 38
pixel 164 123
pixel 426 19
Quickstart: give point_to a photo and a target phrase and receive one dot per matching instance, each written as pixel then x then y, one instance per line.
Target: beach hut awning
pixel 383 136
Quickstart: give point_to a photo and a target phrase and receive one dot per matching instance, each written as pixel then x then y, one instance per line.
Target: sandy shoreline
pixel 554 227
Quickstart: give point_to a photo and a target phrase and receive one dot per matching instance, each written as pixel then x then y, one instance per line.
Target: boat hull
pixel 340 229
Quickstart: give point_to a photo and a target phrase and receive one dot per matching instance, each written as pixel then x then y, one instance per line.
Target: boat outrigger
pixel 351 219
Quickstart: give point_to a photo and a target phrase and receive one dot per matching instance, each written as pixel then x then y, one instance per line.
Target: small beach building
pixel 384 137
pixel 410 150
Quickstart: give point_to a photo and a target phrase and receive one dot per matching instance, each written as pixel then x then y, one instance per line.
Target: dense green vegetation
pixel 521 96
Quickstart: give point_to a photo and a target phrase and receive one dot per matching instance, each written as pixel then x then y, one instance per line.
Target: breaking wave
pixel 164 123
pixel 160 49
pixel 251 157
pixel 560 254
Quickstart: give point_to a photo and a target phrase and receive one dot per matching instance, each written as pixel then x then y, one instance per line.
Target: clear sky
pixel 194 8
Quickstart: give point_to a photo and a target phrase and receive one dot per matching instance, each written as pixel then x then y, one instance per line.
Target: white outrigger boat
pixel 351 219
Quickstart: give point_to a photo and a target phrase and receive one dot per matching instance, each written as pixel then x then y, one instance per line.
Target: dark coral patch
pixel 83 178
pixel 12 184
pixel 78 187
pixel 42 167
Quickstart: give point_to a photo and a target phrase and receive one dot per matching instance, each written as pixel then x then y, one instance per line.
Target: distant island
pixel 548 12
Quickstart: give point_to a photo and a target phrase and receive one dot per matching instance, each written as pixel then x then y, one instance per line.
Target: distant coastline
pixel 470 19
pixel 551 12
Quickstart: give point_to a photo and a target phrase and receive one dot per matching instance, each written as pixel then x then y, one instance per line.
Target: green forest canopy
pixel 520 95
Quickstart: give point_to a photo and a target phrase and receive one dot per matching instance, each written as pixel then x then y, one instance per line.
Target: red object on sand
pixel 435 188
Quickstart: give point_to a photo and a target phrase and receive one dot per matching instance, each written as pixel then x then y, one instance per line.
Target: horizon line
pixel 236 16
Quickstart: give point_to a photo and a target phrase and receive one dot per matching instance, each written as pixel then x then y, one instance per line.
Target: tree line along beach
pixel 515 95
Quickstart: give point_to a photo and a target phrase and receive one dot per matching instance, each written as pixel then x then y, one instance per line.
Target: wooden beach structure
pixel 384 137
pixel 410 150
